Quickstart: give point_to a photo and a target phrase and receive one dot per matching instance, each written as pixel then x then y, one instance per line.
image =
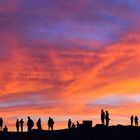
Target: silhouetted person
pixel 39 124
pixel 131 120
pixel 21 122
pixel 5 129
pixel 136 121
pixel 1 124
pixel 30 125
pixel 69 123
pixel 17 125
pixel 107 118
pixel 78 124
pixel 102 117
pixel 50 123
pixel 73 126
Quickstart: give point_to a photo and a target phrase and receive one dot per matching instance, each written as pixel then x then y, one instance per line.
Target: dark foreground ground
pixel 96 133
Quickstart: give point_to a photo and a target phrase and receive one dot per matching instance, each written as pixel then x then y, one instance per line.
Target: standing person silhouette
pixel 78 124
pixel 21 122
pixel 131 120
pixel 17 125
pixel 50 123
pixel 69 124
pixel 136 121
pixel 107 118
pixel 1 124
pixel 39 124
pixel 102 117
pixel 30 125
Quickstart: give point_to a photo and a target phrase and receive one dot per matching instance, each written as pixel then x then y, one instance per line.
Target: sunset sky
pixel 69 59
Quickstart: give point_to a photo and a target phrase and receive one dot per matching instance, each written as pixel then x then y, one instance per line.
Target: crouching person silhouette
pixel 5 129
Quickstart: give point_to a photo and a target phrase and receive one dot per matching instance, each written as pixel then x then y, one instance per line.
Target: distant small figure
pixel 1 124
pixel 30 125
pixel 107 118
pixel 102 117
pixel 39 124
pixel 17 125
pixel 50 123
pixel 73 126
pixel 5 129
pixel 21 122
pixel 136 121
pixel 78 124
pixel 131 120
pixel 69 124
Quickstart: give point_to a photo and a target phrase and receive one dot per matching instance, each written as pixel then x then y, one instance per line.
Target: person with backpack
pixel 50 123
pixel 30 125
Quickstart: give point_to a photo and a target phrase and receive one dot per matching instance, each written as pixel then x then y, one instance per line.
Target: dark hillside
pixel 96 133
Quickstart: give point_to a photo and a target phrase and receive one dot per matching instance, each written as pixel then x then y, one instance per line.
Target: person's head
pixel 28 117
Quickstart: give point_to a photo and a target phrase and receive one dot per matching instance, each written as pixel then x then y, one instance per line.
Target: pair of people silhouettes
pixel 72 125
pixel 134 119
pixel 50 123
pixel 105 117
pixel 19 124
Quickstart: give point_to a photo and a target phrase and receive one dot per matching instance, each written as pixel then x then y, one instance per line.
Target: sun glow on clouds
pixel 69 60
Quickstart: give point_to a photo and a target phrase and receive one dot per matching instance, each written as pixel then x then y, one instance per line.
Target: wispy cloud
pixel 59 56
